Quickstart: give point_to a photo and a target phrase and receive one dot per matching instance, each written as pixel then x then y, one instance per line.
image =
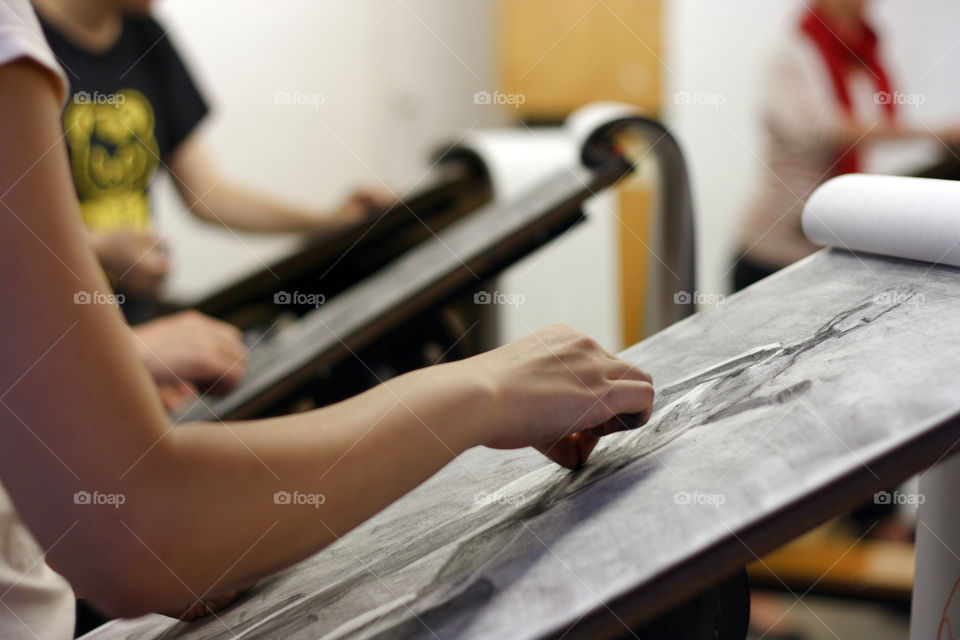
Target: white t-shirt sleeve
pixel 21 37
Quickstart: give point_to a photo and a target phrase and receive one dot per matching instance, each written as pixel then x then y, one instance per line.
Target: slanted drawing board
pixel 785 406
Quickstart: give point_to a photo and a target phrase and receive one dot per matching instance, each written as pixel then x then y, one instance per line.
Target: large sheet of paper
pixel 840 371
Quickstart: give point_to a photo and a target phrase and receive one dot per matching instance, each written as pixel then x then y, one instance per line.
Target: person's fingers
pixel 202 323
pixel 623 370
pixel 621 422
pixel 374 196
pixel 230 375
pixel 230 352
pixel 175 395
pixel 627 397
pixel 154 265
pixel 572 451
pixel 563 452
pixel 207 606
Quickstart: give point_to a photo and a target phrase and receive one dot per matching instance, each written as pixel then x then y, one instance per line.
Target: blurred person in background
pixel 134 109
pixel 828 96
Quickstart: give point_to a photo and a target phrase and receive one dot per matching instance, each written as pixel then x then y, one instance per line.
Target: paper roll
pixel 913 218
pixel 516 159
pixel 592 127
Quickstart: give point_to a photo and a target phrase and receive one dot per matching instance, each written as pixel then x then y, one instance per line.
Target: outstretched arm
pixel 217 199
pixel 142 516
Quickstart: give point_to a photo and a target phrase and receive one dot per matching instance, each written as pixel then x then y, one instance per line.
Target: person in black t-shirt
pixel 135 109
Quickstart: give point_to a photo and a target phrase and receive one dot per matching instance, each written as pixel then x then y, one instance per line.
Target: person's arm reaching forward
pixel 217 199
pixel 190 510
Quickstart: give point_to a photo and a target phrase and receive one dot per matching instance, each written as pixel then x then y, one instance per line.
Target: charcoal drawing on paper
pixel 760 401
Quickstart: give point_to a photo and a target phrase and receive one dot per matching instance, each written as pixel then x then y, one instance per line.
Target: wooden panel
pixel 633 237
pixel 562 54
pixel 839 566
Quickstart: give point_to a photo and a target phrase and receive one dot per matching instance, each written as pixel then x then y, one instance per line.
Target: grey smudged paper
pixel 762 401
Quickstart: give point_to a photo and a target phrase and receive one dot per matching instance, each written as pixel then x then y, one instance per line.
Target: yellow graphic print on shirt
pixel 114 155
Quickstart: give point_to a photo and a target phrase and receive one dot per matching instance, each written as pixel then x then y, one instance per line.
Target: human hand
pixel 176 395
pixel 139 261
pixel 361 204
pixel 208 605
pixel 559 391
pixel 188 349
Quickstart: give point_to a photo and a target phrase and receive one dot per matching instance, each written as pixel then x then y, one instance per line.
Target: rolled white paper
pixel 582 123
pixel 913 218
pixel 519 158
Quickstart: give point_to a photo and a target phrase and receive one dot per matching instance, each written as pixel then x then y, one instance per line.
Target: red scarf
pixel 843 57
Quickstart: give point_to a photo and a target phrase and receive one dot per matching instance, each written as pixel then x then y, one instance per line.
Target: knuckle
pixel 586 343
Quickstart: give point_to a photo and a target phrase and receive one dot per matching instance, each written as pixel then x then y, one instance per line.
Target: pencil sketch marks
pixel 786 393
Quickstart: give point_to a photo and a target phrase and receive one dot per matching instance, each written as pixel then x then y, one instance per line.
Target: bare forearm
pixel 242 209
pixel 250 498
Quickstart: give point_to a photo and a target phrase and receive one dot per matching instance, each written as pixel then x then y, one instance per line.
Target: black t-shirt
pixel 131 107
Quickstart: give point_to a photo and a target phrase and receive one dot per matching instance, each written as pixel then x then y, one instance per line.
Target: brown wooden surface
pixel 827 563
pixel 633 236
pixel 563 54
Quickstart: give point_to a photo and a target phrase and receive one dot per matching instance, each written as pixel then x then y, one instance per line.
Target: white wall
pixel 397 78
pixel 721 47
